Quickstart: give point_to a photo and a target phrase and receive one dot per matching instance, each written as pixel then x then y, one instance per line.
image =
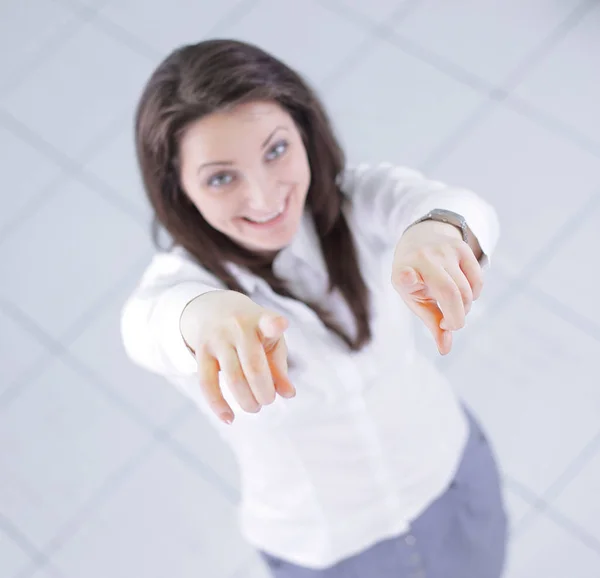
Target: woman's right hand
pixel 230 333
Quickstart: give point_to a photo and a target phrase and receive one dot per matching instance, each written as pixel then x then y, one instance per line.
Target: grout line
pixel 30 326
pixel 21 541
pixel 590 450
pixel 553 124
pixel 448 144
pixel 145 50
pixel 91 313
pixel 354 58
pixel 70 169
pixel 503 94
pixel 108 487
pixel 564 312
pixel 378 32
pixel 362 20
pixel 81 13
pixel 548 44
pixel 237 13
pixel 22 131
pixel 446 67
pixel 543 506
pixel 574 529
pixel 52 347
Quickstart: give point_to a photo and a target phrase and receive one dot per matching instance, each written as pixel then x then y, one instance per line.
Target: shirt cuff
pixel 167 315
pixel 480 217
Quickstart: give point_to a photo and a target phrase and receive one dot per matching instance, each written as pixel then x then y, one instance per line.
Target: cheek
pixel 217 211
pixel 298 171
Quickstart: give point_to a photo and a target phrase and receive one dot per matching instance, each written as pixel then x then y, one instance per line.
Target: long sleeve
pixel 387 199
pixel 150 317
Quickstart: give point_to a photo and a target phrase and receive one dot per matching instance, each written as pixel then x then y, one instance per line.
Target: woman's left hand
pixel 438 276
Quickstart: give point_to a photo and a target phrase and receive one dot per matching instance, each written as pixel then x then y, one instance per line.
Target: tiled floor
pixel 105 470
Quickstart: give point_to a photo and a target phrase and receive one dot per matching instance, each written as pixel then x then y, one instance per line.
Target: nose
pixel 261 193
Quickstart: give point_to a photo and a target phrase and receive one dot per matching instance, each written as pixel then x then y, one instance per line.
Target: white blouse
pixel 372 437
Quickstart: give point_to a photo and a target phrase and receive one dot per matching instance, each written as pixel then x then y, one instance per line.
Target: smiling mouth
pixel 268 219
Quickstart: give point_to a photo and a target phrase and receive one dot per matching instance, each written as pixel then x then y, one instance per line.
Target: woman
pixel 356 458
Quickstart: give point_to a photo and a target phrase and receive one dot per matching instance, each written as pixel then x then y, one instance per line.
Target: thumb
pixel 271 326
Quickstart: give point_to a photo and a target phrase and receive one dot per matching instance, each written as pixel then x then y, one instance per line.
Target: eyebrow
pixel 266 142
pixel 229 163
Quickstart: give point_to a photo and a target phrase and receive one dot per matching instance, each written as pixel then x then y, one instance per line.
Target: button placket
pixel 415 559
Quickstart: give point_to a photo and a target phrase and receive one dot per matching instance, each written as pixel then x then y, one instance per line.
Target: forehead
pixel 237 128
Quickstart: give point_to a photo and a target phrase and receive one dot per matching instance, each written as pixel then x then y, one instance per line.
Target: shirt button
pixel 410 540
pixel 415 559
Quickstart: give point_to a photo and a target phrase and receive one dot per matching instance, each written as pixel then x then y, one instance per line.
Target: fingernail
pixel 289 394
pixel 444 325
pixel 227 417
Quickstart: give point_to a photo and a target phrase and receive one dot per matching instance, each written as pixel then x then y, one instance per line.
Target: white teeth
pixel 270 217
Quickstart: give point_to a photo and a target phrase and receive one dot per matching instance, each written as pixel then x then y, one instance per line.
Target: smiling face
pixel 246 170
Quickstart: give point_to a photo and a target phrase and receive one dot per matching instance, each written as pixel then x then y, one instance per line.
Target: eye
pixel 277 150
pixel 220 180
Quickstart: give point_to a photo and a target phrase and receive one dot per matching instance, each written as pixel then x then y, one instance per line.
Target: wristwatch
pixel 444 216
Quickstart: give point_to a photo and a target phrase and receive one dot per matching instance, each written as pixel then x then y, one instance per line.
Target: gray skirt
pixel 463 534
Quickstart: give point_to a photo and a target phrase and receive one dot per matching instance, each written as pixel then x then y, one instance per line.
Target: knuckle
pixel 267 396
pixel 249 405
pixel 463 248
pixel 425 253
pixel 449 289
pixel 238 324
pixel 236 378
pixel 478 284
pixel 255 365
pixel 203 349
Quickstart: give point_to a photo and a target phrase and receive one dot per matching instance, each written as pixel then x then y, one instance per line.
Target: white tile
pixel 376 11
pixel 12 558
pixel 535 179
pixel 566 84
pixel 163 521
pixel 67 255
pixel 532 379
pixel 199 436
pixel 116 165
pixel 26 29
pixel 59 441
pixel 547 550
pixel 489 38
pixel 571 275
pixel 516 507
pixel 88 84
pixel 579 500
pixel 255 569
pixel 392 107
pixel 100 348
pixel 21 183
pixel 282 28
pixel 20 351
pixel 46 571
pixel 163 26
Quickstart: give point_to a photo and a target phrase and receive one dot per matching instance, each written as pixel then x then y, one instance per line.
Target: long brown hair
pixel 213 75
